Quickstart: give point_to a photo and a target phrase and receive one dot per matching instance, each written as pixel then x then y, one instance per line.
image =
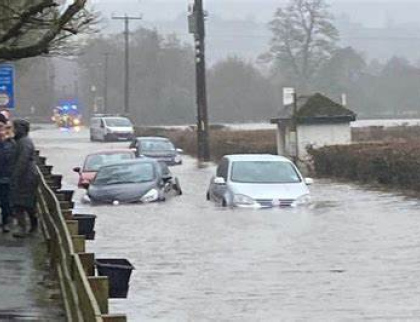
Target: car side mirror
pixel 77 169
pixel 179 150
pixel 309 181
pixel 219 180
pixel 166 177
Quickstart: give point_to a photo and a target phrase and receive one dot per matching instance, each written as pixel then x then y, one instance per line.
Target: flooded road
pixel 353 255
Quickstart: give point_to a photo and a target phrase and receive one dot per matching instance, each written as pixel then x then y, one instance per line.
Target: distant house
pixel 319 122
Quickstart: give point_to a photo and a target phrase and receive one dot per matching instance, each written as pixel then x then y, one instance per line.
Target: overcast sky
pixel 371 13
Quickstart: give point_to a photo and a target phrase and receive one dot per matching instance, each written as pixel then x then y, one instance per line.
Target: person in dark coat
pixel 24 180
pixel 7 153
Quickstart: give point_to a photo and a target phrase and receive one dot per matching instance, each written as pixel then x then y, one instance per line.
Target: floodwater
pixel 352 255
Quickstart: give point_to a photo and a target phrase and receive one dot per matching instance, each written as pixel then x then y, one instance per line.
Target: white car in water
pixel 111 128
pixel 258 181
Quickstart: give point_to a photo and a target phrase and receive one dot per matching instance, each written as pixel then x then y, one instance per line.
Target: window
pixel 96 161
pixel 264 172
pixel 118 122
pixel 123 174
pixel 156 145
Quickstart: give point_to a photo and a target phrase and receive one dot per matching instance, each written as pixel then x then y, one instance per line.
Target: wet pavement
pixel 27 292
pixel 352 255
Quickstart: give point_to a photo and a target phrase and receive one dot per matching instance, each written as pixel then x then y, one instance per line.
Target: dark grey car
pixel 161 149
pixel 142 180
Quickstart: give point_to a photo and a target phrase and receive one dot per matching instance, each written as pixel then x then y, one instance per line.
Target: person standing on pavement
pixel 7 153
pixel 24 180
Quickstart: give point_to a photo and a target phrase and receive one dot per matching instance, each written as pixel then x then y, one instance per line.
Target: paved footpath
pixel 27 292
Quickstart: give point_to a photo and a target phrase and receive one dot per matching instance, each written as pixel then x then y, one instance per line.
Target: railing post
pixel 67 194
pixel 100 288
pixel 88 262
pixel 114 318
pixel 56 182
pixel 67 214
pixel 79 243
pixel 73 226
pixel 66 205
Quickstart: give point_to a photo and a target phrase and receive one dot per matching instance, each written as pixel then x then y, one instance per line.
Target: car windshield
pixel 264 172
pixel 96 161
pixel 157 145
pixel 118 122
pixel 125 173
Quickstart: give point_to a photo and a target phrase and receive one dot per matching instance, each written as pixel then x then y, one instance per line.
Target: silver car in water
pixel 258 181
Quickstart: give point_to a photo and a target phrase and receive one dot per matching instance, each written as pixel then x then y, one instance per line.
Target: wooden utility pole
pixel 106 56
pixel 295 127
pixel 197 27
pixel 127 19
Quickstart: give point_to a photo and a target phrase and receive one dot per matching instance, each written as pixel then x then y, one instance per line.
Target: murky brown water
pixel 353 255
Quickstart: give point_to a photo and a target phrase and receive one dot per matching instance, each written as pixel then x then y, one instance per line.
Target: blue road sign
pixel 7 82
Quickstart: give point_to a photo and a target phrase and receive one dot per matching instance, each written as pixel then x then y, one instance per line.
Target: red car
pixel 98 159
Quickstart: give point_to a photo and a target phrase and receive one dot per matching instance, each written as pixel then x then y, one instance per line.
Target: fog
pixel 376 62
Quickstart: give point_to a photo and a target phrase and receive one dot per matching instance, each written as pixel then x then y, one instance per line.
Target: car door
pixel 101 129
pixel 93 128
pixel 217 191
pixel 133 146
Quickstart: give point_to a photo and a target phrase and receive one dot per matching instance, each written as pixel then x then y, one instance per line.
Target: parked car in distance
pixel 110 128
pixel 161 149
pixel 142 180
pixel 258 181
pixel 93 162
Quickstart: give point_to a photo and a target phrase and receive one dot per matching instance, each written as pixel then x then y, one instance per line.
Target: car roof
pixel 157 138
pixel 113 151
pixel 133 161
pixel 256 157
pixel 108 115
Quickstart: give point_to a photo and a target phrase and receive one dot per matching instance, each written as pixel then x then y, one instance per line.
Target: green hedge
pixel 393 164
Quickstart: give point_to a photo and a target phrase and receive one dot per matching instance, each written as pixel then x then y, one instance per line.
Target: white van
pixel 110 128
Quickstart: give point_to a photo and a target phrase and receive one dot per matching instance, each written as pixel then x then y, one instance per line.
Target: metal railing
pixel 85 296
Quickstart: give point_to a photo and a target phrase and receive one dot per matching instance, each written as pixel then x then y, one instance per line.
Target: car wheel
pixel 208 196
pixel 224 203
pixel 92 139
pixel 177 187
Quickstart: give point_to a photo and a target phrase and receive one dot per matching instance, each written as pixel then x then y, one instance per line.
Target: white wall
pixel 320 135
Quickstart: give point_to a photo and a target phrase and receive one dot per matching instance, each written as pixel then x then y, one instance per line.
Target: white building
pixel 319 122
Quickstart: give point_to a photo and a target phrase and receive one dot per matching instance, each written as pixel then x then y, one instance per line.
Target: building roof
pixel 316 109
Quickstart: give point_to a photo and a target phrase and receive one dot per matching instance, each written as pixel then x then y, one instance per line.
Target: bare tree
pixel 30 28
pixel 304 38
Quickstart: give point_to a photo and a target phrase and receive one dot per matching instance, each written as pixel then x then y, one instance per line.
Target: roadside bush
pixel 222 141
pixel 396 164
pixel 386 134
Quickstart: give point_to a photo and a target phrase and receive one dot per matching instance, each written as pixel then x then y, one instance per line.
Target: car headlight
pixel 242 200
pixel 177 159
pixel 302 200
pixel 151 195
